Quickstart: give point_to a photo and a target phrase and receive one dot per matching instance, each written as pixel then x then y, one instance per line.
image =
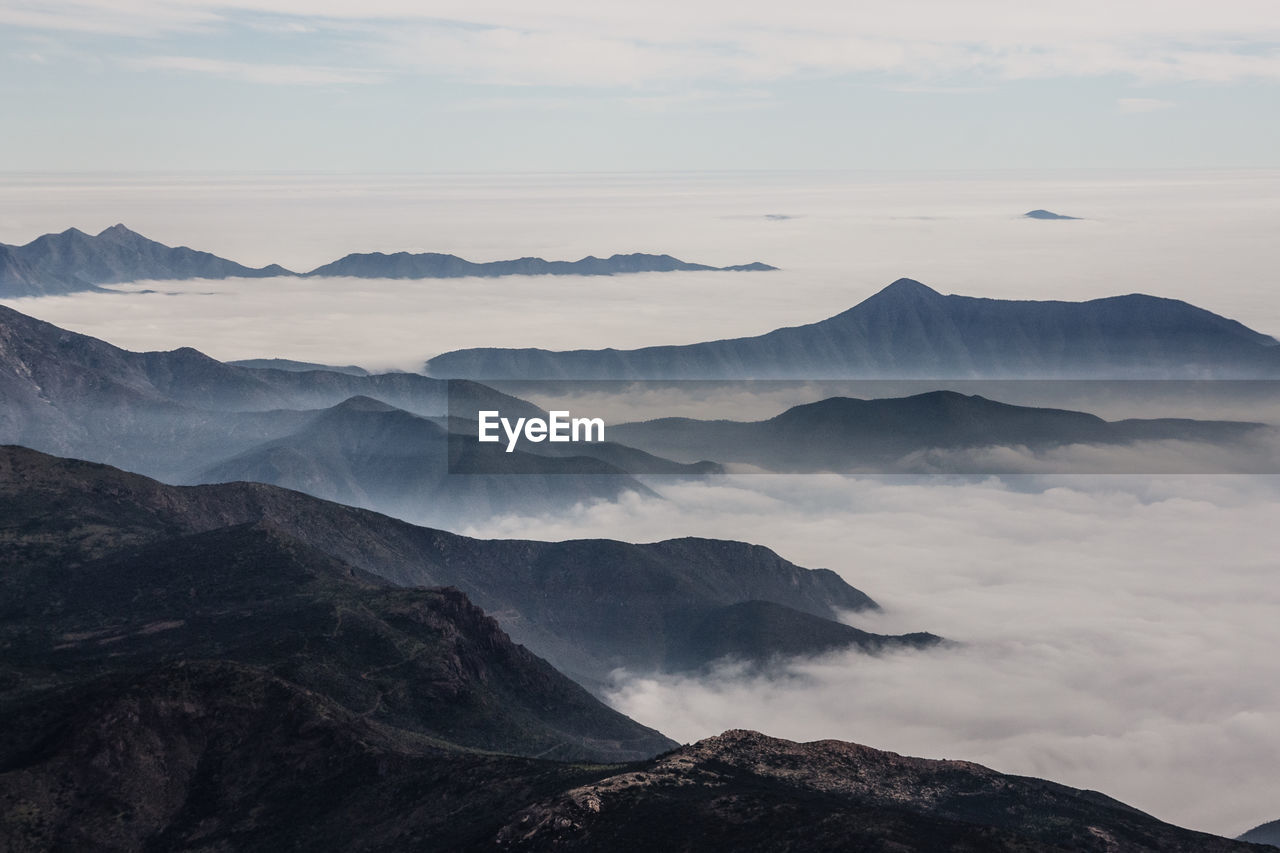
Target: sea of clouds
pixel 1114 632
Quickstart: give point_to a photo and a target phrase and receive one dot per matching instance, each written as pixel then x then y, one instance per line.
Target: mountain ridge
pixel 847 433
pixel 589 606
pixel 71 261
pixel 909 330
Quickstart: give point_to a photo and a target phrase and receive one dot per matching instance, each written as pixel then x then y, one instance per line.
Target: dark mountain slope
pixel 842 433
pixel 427 661
pixel 746 792
pixel 220 757
pixel 909 330
pixel 761 633
pixel 588 606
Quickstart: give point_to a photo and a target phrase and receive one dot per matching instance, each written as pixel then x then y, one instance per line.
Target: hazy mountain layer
pixel 434 265
pixel 73 260
pixel 588 606
pixel 185 417
pixel 909 330
pixel 365 453
pixel 1267 833
pixel 842 433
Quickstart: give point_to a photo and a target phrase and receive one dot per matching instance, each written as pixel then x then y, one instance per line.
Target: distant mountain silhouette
pixel 842 433
pixel 589 606
pixel 365 453
pixel 432 265
pixel 74 261
pixel 908 330
pixel 184 417
pixel 1267 833
pixel 299 366
pixel 1046 214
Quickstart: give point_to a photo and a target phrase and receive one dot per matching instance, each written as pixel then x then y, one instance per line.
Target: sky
pixel 569 85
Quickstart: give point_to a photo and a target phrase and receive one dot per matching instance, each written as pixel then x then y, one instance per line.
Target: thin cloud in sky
pixel 252 72
pixel 570 43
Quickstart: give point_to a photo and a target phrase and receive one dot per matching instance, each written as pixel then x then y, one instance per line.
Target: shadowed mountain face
pixel 909 330
pixel 842 433
pixel 1268 833
pixel 745 791
pixel 427 661
pixel 433 265
pixel 216 756
pixel 74 260
pixel 588 606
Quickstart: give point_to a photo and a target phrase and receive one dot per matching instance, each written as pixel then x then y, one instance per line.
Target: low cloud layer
pixel 1118 633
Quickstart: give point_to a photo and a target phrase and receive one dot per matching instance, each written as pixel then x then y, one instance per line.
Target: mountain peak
pixel 908 288
pixel 118 231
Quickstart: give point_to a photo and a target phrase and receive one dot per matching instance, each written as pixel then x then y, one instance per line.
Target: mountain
pixel 366 453
pixel 433 265
pixel 423 660
pixel 74 260
pixel 222 757
pixel 908 330
pixel 1045 214
pixel 762 632
pixel 747 792
pixel 588 606
pixel 184 417
pixel 298 366
pixel 1267 833
pixel 843 433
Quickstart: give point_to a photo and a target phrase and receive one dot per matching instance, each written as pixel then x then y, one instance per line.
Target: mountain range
pixel 846 434
pixel 72 261
pixel 202 668
pixel 589 606
pixel 908 330
pixel 379 441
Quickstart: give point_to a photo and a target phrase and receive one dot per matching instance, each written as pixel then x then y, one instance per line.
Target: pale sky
pixel 508 85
